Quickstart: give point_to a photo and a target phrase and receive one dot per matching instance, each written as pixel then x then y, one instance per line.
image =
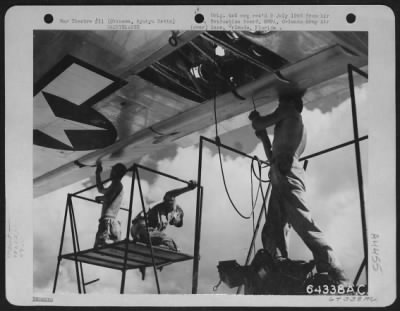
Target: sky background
pixel 332 196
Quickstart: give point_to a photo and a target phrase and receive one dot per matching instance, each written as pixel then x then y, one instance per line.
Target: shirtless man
pixel 287 206
pixel 109 229
pixel 158 218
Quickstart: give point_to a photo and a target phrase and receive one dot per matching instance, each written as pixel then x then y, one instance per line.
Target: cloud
pixel 332 197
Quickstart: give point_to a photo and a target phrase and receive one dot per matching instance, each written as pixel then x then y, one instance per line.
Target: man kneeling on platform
pixel 158 218
pixel 109 230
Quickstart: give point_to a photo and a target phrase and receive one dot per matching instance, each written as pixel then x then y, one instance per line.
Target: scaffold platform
pixel 122 255
pixel 138 256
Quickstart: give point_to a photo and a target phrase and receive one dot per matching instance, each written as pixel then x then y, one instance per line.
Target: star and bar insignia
pixel 63 115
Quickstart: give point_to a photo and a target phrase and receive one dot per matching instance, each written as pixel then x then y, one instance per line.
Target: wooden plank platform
pixel 139 255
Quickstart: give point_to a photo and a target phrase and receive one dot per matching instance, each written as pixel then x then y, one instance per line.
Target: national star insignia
pixel 55 126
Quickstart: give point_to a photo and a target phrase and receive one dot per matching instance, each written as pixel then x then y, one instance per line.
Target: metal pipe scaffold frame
pixel 199 208
pixel 199 203
pixel 355 141
pixel 69 214
pixel 364 263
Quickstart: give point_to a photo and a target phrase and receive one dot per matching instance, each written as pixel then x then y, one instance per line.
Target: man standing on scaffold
pixel 109 229
pixel 287 206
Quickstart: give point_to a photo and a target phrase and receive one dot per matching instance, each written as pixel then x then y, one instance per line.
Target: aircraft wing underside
pixel 120 95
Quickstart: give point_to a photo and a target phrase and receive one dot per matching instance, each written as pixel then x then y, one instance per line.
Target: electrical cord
pixel 260 167
pixel 254 202
pixel 252 187
pixel 264 200
pixel 252 170
pixel 227 191
pixel 255 158
pixel 263 206
pixel 220 157
pixel 259 178
pixel 223 173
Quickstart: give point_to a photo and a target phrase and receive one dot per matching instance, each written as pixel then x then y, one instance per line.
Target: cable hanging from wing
pixel 260 182
pixel 254 202
pixel 264 197
pixel 260 167
pixel 255 158
pixel 258 177
pixel 222 168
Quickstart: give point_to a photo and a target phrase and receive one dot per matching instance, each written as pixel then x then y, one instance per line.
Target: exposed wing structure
pixel 118 96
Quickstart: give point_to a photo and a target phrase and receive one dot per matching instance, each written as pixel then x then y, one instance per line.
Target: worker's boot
pixel 104 235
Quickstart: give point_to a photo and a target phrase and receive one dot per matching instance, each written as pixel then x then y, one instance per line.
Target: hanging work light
pixel 195 72
pixel 203 72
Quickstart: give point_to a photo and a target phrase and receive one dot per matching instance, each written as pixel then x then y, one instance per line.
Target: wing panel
pixel 147 117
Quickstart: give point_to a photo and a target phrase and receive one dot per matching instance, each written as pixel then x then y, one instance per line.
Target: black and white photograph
pixel 226 160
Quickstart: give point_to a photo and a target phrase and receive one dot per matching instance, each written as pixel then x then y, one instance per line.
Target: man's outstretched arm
pixel 99 183
pixel 175 192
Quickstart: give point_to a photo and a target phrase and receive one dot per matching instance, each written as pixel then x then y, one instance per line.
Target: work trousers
pixel 109 230
pixel 287 208
pixel 158 238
